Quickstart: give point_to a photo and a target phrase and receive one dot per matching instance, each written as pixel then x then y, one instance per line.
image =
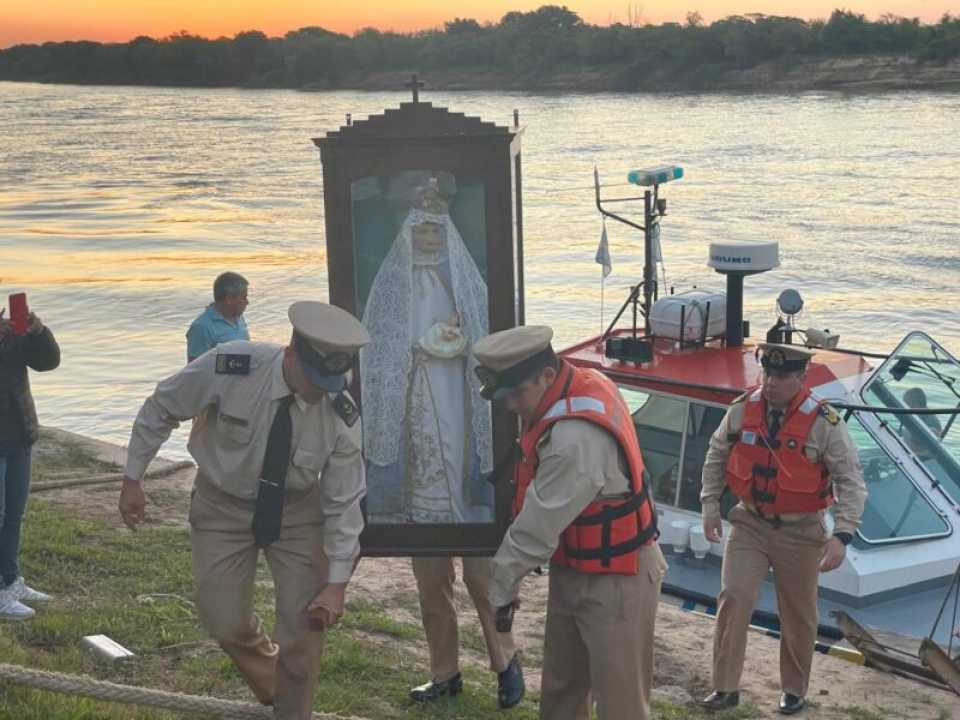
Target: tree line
pixel 529 46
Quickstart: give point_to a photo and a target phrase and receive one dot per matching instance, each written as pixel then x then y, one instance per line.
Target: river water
pixel 119 205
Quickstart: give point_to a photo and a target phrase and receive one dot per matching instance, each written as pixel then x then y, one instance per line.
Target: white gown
pixel 437 412
pixel 427 431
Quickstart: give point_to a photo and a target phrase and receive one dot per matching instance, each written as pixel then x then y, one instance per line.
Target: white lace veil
pixel 386 361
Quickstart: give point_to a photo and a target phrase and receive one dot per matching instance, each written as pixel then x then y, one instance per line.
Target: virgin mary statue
pixel 427 431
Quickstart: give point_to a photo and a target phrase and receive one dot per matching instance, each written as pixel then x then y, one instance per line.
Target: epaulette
pixel 232 364
pixel 344 406
pixel 831 415
pixel 741 398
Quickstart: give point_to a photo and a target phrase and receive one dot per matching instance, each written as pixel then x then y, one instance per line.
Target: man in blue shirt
pixel 222 321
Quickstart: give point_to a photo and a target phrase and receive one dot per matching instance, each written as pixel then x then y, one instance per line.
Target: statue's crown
pixel 430 200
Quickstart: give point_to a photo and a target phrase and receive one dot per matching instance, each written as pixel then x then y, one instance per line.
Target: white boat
pixel 679 366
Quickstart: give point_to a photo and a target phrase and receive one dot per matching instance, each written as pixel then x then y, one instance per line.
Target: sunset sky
pixel 27 21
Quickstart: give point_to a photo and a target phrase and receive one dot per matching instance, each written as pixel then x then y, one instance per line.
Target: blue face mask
pixel 327 383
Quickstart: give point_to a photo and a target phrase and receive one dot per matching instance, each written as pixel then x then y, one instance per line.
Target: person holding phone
pixel 23 345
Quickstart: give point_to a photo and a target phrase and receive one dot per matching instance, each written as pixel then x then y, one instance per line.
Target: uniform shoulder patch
pixel 232 364
pixel 831 415
pixel 344 406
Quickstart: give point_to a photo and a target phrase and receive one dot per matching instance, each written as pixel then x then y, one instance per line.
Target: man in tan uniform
pixel 279 468
pixel 786 456
pixel 435 577
pixel 580 462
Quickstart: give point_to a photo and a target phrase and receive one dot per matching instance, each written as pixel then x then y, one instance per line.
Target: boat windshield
pixel 895 510
pixel 922 375
pixel 674 434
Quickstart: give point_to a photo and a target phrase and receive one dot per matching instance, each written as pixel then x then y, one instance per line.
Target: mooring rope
pixel 190 705
pixel 107 478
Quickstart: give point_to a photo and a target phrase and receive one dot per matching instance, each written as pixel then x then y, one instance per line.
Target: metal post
pixel 734 309
pixel 518 201
pixel 649 272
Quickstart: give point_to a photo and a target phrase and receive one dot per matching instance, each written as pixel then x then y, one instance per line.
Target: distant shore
pixel 854 74
pixel 866 73
pixel 549 49
pixel 851 73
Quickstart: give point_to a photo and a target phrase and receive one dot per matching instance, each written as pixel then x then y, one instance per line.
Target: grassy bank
pixel 137 588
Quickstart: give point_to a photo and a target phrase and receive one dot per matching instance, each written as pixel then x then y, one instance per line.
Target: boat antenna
pixel 654 208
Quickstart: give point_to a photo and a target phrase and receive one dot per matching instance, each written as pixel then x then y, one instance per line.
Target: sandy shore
pixel 839 689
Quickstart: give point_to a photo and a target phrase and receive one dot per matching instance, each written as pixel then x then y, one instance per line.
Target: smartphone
pixel 18 313
pixel 504 618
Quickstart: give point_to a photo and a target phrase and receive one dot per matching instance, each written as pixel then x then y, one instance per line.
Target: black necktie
pixel 774 426
pixel 269 510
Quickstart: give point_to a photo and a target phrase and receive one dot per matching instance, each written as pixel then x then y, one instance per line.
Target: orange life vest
pixel 775 475
pixel 607 535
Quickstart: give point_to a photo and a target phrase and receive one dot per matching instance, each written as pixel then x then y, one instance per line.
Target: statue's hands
pixel 450 333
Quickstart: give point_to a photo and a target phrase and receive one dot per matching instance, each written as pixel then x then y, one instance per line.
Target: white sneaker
pixel 13 609
pixel 25 593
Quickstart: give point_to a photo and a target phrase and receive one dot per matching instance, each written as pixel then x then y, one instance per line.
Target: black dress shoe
pixel 791 704
pixel 510 685
pixel 718 700
pixel 434 690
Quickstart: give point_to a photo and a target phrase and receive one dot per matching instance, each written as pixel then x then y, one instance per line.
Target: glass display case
pixel 423 223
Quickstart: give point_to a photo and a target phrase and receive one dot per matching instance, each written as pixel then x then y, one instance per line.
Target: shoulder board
pixel 741 398
pixel 232 364
pixel 344 406
pixel 831 415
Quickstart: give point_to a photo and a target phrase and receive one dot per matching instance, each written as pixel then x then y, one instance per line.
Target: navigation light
pixel 655 176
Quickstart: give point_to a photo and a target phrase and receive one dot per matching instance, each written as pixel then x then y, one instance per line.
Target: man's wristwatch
pixel 844 537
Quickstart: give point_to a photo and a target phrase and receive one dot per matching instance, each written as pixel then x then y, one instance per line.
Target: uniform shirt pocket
pixel 233 428
pixel 309 461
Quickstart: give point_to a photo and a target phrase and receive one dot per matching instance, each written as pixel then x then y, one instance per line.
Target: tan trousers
pixel 793 551
pixel 598 642
pixel 435 578
pixel 224 568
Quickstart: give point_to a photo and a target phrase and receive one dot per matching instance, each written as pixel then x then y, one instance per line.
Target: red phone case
pixel 18 313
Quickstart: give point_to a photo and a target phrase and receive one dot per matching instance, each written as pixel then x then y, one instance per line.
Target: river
pixel 119 205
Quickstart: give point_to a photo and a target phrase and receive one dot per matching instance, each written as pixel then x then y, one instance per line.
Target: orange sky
pixel 120 20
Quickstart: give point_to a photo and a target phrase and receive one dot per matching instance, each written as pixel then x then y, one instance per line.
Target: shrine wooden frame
pixel 420 136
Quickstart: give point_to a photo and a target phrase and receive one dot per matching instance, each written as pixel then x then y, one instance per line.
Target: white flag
pixel 657 251
pixel 603 252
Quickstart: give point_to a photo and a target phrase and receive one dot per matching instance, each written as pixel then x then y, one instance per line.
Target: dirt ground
pixel 839 688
